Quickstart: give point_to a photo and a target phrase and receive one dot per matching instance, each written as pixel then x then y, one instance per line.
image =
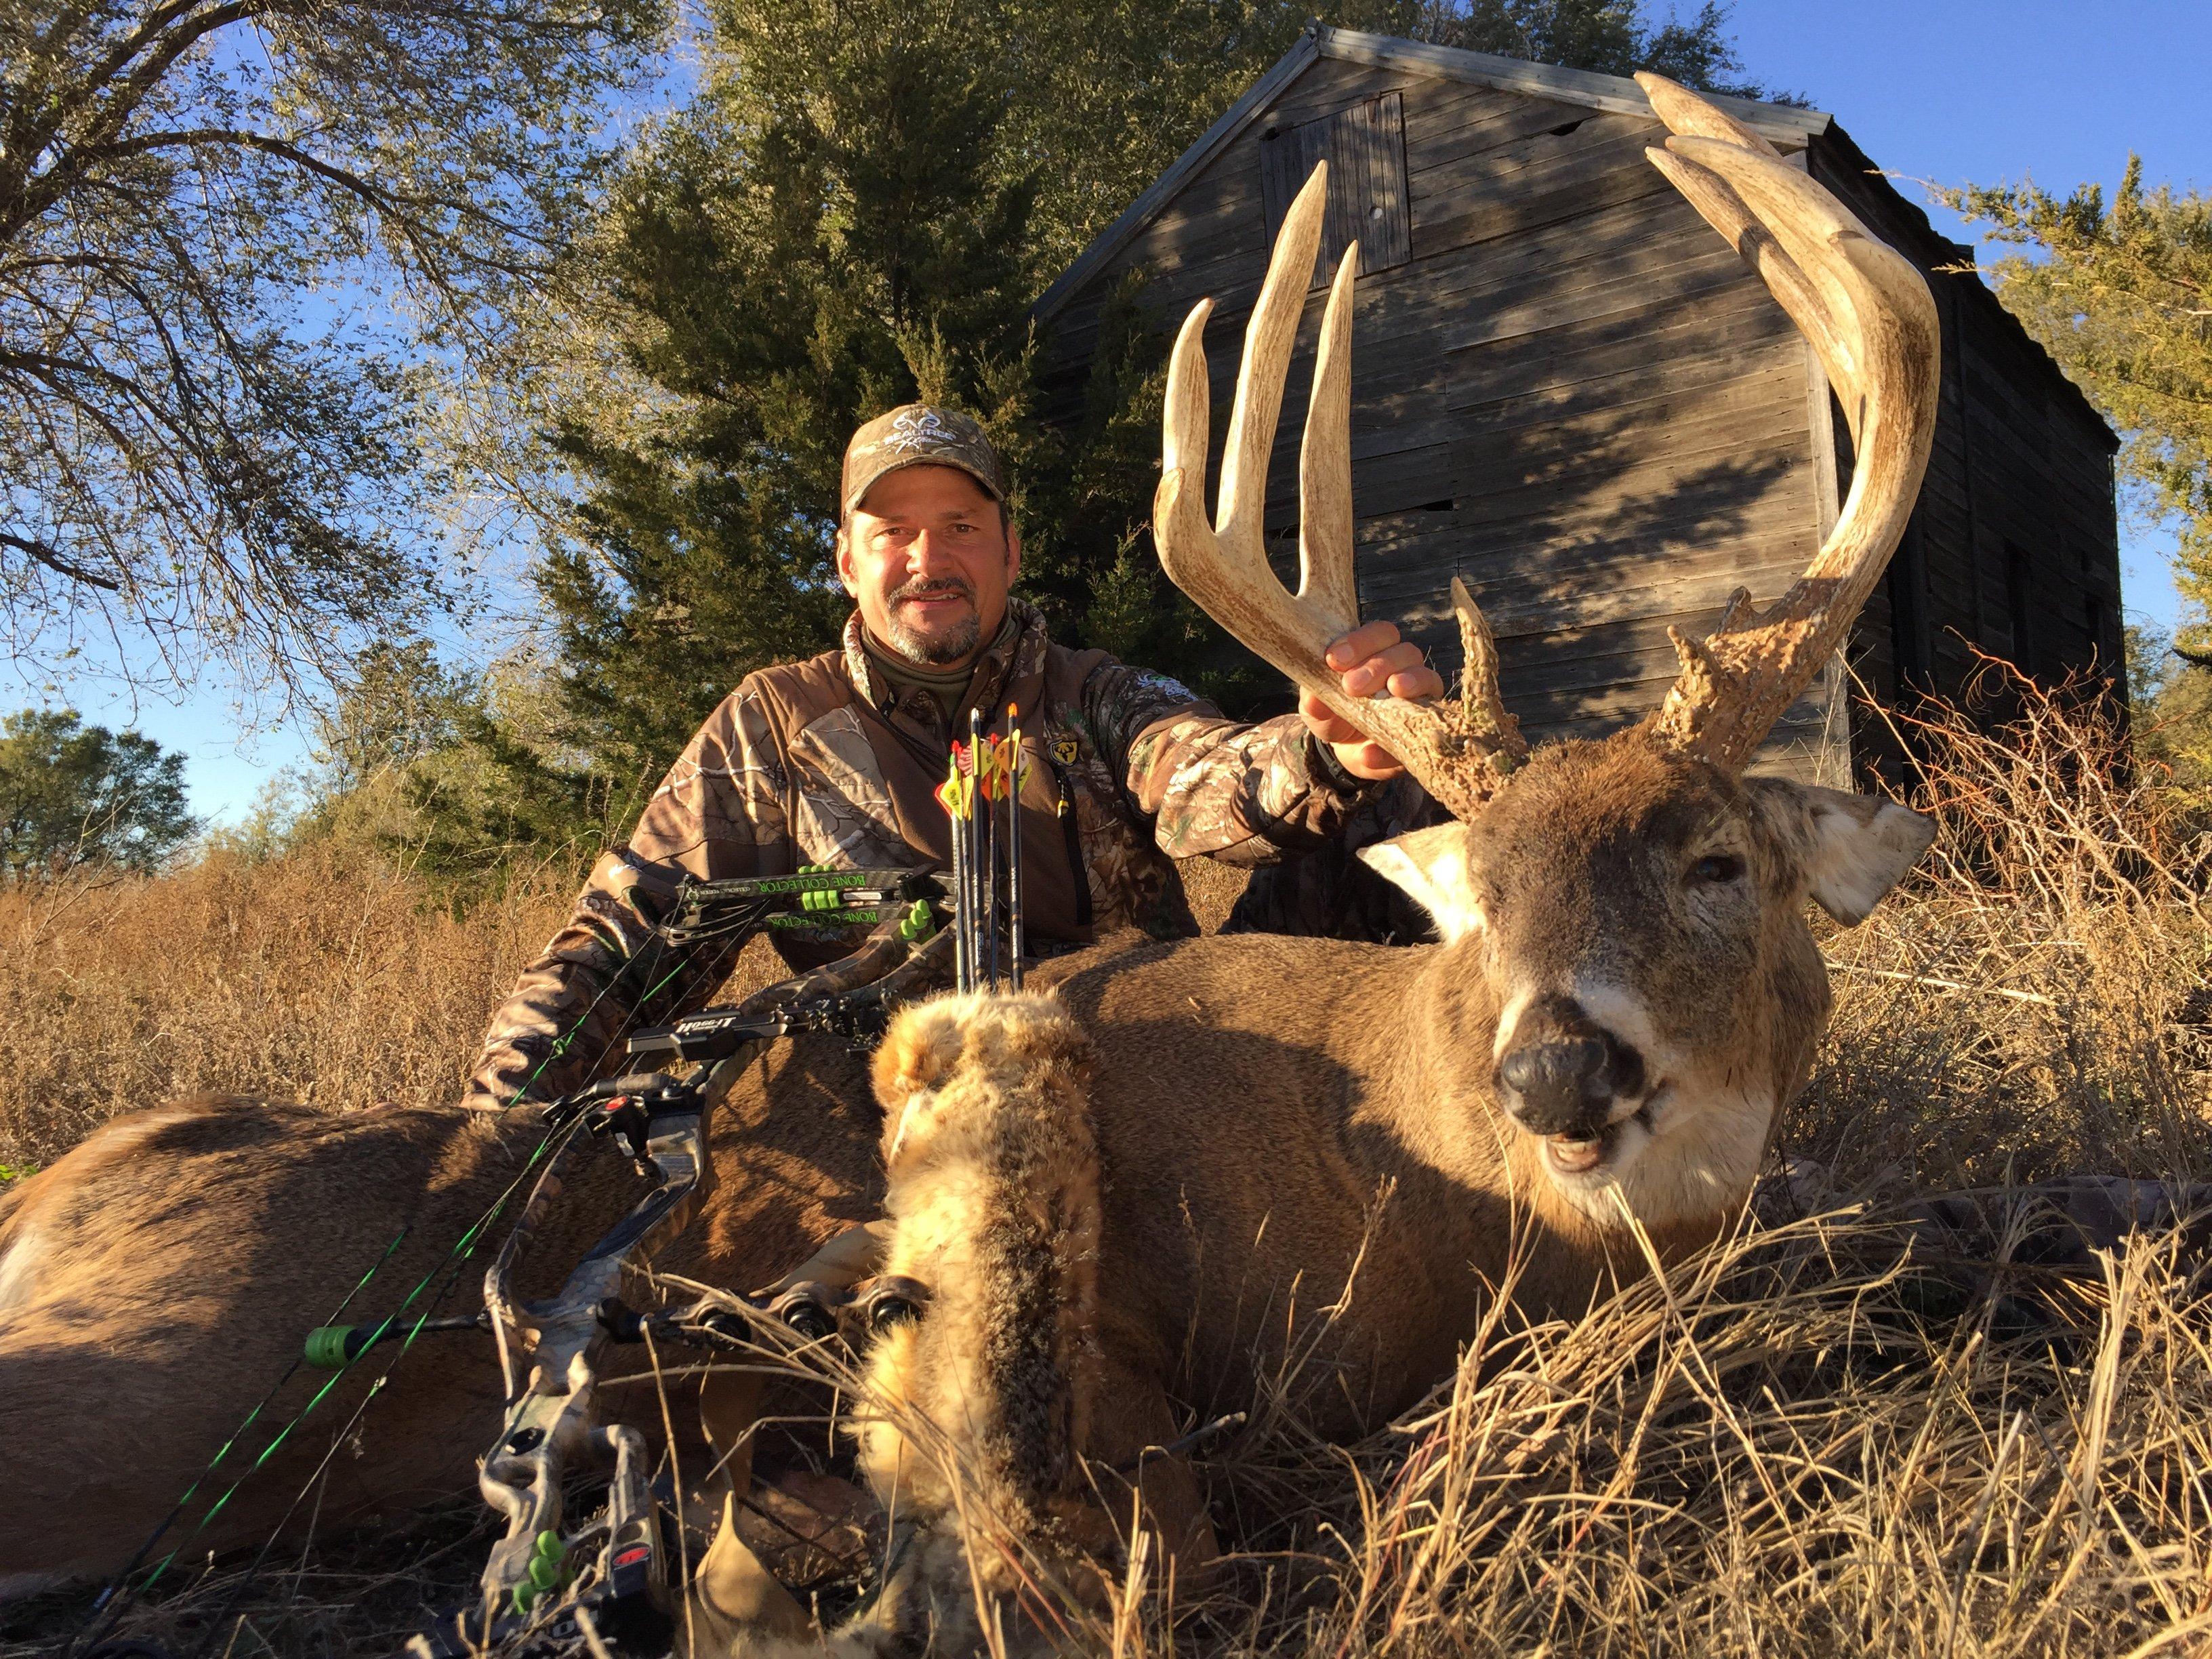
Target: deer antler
pixel 1460 754
pixel 1872 323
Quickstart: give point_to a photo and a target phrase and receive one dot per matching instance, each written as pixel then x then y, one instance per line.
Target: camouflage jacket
pixel 1329 893
pixel 819 763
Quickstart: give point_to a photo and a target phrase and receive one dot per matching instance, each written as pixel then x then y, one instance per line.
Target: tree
pixel 73 795
pixel 204 438
pixel 2170 711
pixel 454 772
pixel 1612 36
pixel 2121 295
pixel 859 209
pixel 823 234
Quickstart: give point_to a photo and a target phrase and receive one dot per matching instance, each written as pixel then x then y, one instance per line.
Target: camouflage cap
pixel 919 435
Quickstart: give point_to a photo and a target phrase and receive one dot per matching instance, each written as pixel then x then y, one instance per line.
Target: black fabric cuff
pixel 1328 772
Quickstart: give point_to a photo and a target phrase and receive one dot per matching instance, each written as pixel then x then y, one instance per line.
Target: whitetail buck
pixel 1626 993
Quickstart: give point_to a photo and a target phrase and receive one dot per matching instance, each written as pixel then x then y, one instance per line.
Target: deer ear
pixel 1432 867
pixel 1852 849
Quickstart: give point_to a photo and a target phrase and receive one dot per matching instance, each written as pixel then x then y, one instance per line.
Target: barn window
pixel 2093 624
pixel 1365 148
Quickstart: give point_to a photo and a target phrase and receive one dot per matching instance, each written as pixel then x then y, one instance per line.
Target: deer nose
pixel 1564 1081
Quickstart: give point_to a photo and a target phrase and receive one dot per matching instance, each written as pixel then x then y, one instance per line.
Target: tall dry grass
pixel 2033 1001
pixel 1824 1437
pixel 323 976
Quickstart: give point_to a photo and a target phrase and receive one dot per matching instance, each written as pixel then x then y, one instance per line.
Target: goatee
pixel 935 651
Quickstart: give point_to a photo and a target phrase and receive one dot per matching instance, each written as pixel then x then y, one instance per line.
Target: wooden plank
pixel 1539 159
pixel 1364 147
pixel 1434 107
pixel 1637 462
pixel 1613 384
pixel 1778 124
pixel 1673 288
pixel 1525 593
pixel 1406 301
pixel 1537 561
pixel 1606 596
pixel 1716 482
pixel 1684 524
pixel 1489 220
pixel 1467 285
pixel 1590 355
pixel 1743 394
pixel 1523 130
pixel 1336 87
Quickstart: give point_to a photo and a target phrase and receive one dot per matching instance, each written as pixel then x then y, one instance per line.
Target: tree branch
pixel 41 553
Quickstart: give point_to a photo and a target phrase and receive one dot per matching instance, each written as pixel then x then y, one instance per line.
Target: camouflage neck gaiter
pixel 947 686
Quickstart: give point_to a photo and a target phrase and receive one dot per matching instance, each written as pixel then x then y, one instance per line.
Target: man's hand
pixel 1371 658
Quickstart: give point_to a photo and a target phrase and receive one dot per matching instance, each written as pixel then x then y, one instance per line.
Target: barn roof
pixel 1783 125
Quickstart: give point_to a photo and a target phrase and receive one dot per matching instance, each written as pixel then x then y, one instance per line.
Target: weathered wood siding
pixel 1568 391
pixel 2013 548
pixel 1571 393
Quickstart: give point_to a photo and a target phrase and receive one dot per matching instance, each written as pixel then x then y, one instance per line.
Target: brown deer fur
pixel 1268 1113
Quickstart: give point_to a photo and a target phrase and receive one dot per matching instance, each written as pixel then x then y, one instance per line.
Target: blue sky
pixel 1946 90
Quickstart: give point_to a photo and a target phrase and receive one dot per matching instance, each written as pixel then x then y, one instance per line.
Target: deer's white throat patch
pixel 1685 1154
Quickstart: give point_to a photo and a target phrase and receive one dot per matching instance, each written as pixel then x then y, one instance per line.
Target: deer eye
pixel 1717 868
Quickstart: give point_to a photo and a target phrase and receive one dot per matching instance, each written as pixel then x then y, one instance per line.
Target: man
pixel 835 760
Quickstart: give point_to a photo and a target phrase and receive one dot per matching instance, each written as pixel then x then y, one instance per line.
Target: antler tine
pixel 1224 565
pixel 1872 323
pixel 1482 705
pixel 1326 581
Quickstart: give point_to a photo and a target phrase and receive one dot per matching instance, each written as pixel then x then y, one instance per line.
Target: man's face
pixel 929 559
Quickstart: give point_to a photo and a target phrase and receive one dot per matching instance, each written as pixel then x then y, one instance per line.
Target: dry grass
pixel 1812 1440
pixel 319 977
pixel 2033 1002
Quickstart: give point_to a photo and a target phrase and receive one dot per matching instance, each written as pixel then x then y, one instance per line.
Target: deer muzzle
pixel 1568 1078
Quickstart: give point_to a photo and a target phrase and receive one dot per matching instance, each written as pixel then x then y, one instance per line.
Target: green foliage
pixel 206 444
pixel 2121 295
pixel 2170 715
pixel 833 228
pixel 73 795
pixel 1612 36
pixel 454 774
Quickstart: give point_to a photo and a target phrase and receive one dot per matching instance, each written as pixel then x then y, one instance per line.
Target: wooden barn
pixel 1569 391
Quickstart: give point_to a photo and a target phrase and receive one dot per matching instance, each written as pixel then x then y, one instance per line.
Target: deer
pixel 1300 1150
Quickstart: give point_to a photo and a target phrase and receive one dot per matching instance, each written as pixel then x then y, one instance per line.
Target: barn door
pixel 1365 148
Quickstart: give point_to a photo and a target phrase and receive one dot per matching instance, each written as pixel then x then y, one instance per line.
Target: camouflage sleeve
pixel 719 813
pixel 1330 894
pixel 1245 794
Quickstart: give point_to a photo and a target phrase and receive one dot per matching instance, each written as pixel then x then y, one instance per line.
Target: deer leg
pixel 734 1604
pixel 808 1297
pixel 1142 1487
